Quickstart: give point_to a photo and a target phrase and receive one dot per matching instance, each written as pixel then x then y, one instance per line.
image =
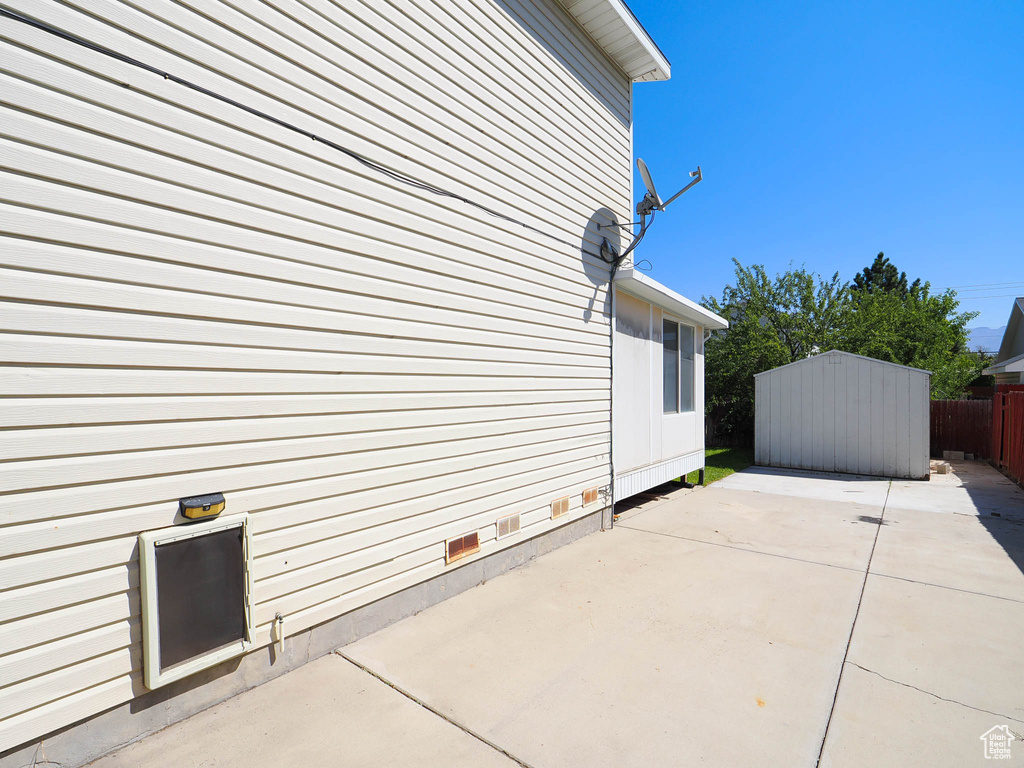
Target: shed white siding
pixel 839 412
pixel 196 300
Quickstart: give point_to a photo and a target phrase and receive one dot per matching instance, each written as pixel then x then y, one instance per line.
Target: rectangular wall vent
pixel 508 526
pixel 461 546
pixel 590 495
pixel 559 507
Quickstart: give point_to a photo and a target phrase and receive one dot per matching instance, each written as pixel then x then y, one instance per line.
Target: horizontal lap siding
pixel 844 413
pixel 195 299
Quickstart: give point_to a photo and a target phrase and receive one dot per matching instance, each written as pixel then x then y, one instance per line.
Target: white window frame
pixel 153 676
pixel 680 324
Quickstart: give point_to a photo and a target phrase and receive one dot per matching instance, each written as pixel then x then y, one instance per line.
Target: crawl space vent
pixel 559 507
pixel 461 546
pixel 508 525
pixel 195 597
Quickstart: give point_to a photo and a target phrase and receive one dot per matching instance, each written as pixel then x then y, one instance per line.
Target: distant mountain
pixel 985 339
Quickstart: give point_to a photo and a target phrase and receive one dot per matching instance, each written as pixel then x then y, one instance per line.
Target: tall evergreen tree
pixel 882 276
pixel 888 320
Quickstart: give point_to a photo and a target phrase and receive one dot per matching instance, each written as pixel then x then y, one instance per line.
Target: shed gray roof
pixel 844 354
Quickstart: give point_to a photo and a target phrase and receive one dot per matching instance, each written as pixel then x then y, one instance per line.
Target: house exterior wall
pixel 838 412
pixel 651 447
pixel 195 300
pixel 1008 366
pixel 1015 344
pixel 1012 344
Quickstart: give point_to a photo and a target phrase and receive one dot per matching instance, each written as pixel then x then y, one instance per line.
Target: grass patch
pixel 722 462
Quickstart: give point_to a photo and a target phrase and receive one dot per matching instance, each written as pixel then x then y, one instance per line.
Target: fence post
pixel 997 428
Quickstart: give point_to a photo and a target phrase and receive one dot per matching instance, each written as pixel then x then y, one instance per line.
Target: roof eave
pixel 650 290
pixel 611 21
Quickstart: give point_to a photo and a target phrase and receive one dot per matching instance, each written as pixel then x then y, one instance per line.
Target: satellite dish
pixel 649 183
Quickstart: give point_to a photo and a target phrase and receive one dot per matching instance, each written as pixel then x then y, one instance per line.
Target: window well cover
pixel 195 597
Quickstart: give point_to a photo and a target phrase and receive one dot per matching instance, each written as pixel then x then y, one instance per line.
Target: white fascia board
pixel 611 20
pixel 646 288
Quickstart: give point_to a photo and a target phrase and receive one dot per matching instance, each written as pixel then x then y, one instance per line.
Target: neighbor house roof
pixel 1013 365
pixel 1009 359
pixel 644 287
pixel 1013 327
pixel 614 27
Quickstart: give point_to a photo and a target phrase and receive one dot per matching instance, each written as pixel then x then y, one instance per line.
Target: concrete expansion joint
pixel 748 549
pixel 935 695
pixel 947 588
pixel 468 731
pixel 853 625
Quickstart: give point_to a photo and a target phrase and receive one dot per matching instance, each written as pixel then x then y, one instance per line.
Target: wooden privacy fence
pixel 961 425
pixel 1008 433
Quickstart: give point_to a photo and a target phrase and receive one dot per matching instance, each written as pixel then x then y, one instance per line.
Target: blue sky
pixel 829 132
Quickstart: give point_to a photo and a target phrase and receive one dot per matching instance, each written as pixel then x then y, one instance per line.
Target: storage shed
pixel 840 412
pixel 658 427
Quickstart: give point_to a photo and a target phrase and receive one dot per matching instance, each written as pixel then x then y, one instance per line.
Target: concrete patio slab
pixel 973 488
pixel 827 532
pixel 984 555
pixel 809 485
pixel 883 724
pixel 632 648
pixel 711 626
pixel 956 645
pixel 327 713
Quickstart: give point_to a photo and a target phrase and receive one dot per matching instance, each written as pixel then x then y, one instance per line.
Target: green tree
pixel 772 322
pixel 882 276
pixel 775 321
pixel 911 327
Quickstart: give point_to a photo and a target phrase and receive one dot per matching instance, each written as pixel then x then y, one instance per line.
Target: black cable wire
pixel 639 238
pixel 382 169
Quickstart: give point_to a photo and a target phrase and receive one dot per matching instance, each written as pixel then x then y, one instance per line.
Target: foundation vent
pixel 559 507
pixel 507 526
pixel 461 546
pixel 590 495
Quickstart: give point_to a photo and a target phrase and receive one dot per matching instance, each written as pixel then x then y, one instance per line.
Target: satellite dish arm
pixel 649 206
pixel 697 180
pixel 613 257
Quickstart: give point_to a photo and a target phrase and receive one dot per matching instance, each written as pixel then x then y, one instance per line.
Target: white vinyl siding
pixel 197 300
pixel 653 438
